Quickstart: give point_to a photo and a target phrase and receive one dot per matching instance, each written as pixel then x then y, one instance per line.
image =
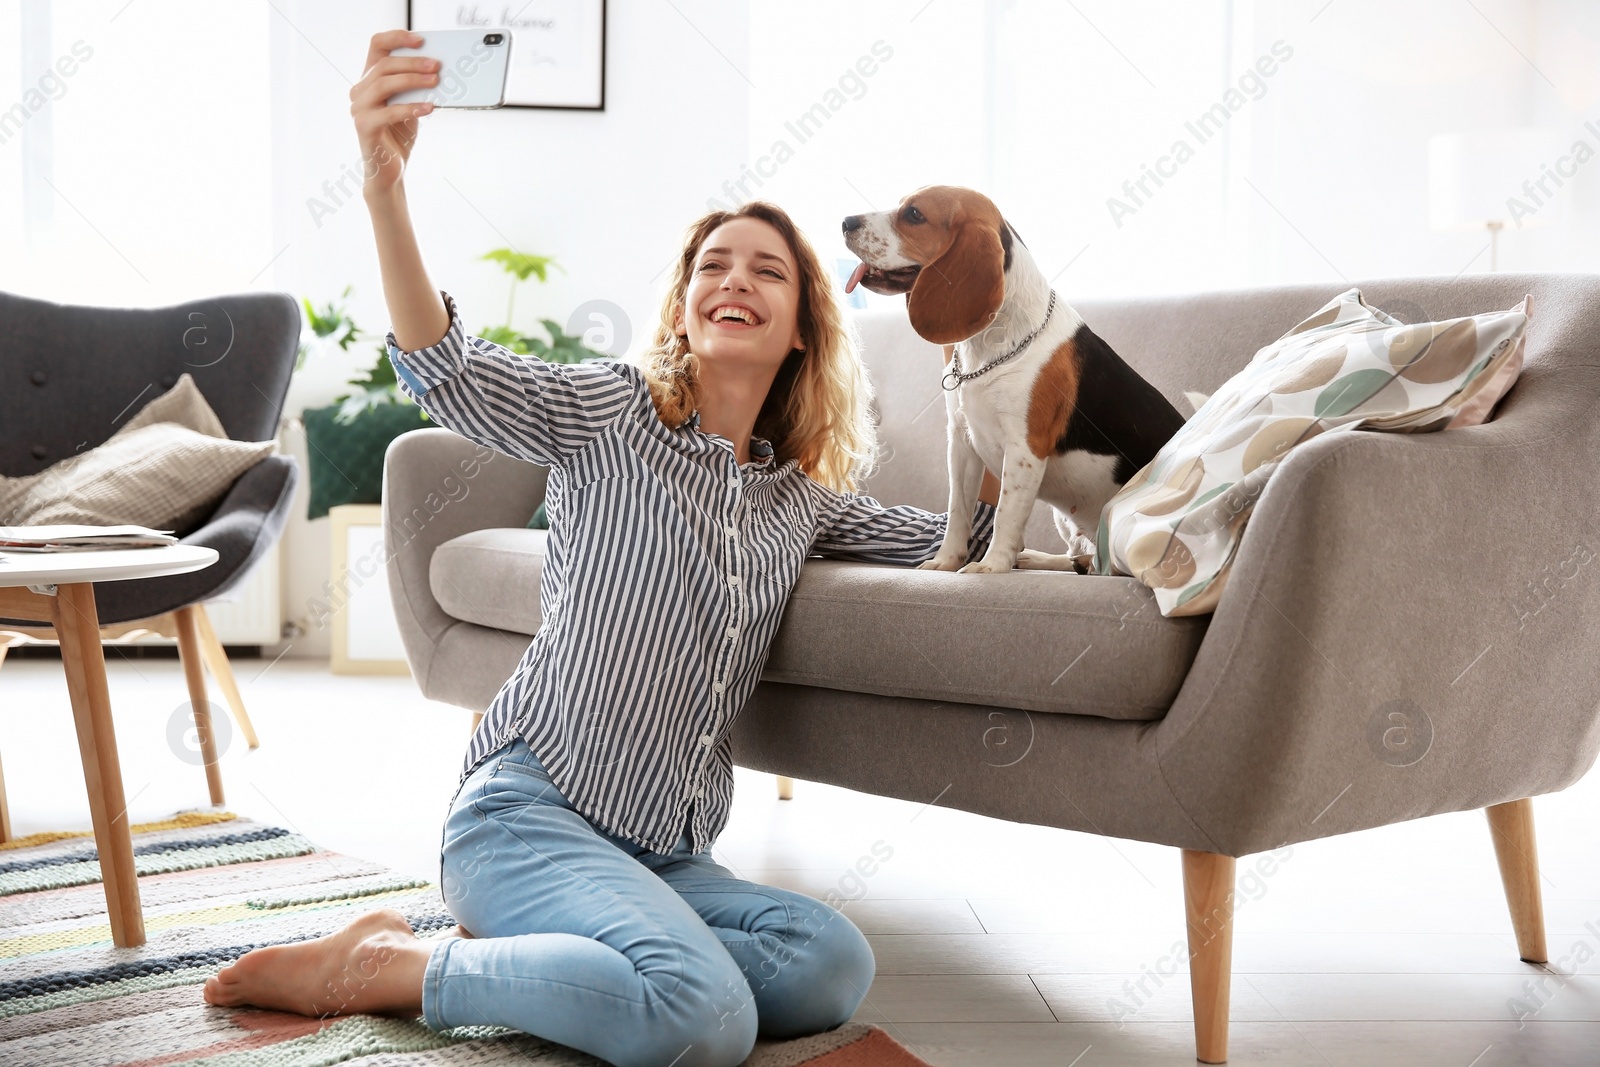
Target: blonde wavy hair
pixel 818 408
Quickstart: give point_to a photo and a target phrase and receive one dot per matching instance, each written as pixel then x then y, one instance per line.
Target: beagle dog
pixel 1031 393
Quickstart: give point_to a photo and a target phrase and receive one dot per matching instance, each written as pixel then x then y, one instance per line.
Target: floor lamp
pixel 1492 179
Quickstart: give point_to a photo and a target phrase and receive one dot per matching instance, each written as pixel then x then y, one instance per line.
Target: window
pixel 135 148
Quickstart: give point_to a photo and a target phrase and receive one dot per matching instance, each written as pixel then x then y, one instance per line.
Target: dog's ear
pixel 959 293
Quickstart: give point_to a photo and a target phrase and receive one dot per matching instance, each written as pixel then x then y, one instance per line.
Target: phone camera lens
pixel 493 38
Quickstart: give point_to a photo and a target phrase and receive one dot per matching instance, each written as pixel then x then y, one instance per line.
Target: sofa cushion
pixel 491 577
pixel 1039 640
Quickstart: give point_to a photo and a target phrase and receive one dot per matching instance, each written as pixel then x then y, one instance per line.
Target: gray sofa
pixel 1409 629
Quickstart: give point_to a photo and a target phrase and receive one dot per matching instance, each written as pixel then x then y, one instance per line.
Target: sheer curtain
pixel 134 150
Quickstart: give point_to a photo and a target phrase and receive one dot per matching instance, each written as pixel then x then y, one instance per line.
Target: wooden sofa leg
pixel 1208 908
pixel 785 787
pixel 1511 825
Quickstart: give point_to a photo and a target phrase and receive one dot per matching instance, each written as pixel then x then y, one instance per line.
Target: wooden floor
pixel 997 944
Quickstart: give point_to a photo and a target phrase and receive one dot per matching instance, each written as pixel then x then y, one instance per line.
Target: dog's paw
pixel 983 566
pixel 940 563
pixel 1034 560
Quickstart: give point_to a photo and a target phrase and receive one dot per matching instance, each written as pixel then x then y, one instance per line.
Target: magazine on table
pixel 69 538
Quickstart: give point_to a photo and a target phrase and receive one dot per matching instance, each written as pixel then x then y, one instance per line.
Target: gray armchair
pixel 1390 646
pixel 70 375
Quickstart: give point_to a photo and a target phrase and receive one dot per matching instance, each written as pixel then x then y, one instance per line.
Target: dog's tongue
pixel 855 277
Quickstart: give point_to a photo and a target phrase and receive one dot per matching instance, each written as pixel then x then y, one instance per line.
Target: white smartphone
pixel 473 65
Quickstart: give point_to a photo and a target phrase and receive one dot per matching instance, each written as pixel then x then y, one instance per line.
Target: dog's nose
pixel 852 222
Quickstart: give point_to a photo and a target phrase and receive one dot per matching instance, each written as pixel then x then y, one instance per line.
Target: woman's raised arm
pixel 519 405
pixel 386 133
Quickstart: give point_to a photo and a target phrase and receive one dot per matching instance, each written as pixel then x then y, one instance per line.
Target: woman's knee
pixel 817 978
pixel 708 1020
pixel 845 966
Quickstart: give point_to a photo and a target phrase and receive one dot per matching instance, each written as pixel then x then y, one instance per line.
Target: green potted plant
pixel 346 439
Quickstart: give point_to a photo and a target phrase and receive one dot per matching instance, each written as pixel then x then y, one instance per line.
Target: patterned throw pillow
pixel 1177 523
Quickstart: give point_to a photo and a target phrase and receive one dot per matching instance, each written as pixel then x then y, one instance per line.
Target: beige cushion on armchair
pixel 166 468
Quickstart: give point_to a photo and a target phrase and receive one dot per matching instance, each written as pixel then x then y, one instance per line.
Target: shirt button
pixel 707 740
pixel 733 631
pixel 732 530
pixel 717 687
pixel 733 579
pixel 734 481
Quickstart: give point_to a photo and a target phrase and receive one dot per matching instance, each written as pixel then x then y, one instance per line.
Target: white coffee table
pixel 57 588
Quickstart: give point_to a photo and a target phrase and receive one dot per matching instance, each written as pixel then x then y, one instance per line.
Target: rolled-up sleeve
pixel 857 527
pixel 522 406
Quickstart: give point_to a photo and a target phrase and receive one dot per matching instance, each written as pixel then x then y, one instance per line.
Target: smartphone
pixel 473 65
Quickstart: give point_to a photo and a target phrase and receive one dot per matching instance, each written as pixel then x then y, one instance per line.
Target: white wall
pixel 135 168
pixel 1321 174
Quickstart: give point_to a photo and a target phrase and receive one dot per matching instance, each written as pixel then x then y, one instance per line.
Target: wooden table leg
pixel 77 625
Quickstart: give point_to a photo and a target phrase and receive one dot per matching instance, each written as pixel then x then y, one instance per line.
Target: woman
pixel 685 491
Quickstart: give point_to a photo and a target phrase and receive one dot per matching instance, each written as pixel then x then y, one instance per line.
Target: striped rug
pixel 214 886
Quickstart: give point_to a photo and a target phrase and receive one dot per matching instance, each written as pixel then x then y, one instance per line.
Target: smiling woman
pixel 685 492
pixel 792 375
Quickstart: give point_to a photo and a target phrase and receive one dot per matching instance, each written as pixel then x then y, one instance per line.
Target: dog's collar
pixel 955 376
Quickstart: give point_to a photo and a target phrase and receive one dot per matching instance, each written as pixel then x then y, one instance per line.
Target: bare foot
pixel 374 965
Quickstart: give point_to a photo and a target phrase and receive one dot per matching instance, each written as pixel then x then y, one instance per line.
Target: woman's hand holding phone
pixel 387 131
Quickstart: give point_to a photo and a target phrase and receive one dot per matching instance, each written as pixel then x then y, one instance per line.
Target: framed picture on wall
pixel 558 47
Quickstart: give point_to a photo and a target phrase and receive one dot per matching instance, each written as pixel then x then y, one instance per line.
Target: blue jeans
pixel 641 959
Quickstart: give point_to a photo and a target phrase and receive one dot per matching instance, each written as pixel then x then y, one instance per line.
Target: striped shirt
pixel 667 566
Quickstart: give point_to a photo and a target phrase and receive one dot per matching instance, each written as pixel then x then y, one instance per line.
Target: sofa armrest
pixel 1406 631
pixel 438 485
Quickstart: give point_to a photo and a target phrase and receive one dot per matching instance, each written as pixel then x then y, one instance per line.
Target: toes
pixel 216 992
